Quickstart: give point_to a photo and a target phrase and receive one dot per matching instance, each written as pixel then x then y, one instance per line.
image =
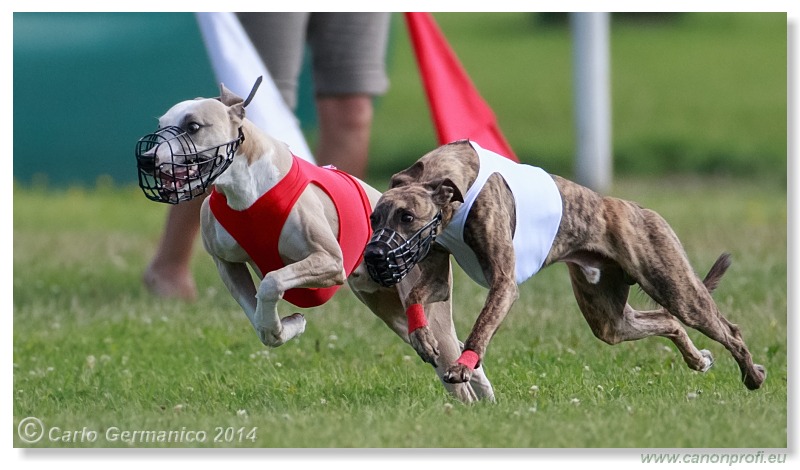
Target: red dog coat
pixel 258 228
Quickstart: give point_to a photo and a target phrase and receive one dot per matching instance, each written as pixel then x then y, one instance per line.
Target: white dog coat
pixel 538 210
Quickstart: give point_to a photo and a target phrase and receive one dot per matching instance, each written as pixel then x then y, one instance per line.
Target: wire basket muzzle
pixel 171 168
pixel 389 257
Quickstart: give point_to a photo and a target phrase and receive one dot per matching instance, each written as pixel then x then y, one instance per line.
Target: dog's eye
pixel 406 217
pixel 193 127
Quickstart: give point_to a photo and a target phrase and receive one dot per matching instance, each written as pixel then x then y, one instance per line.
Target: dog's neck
pixel 258 165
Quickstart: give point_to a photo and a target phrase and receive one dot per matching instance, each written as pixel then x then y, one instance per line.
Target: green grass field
pixel 92 349
pixel 699 136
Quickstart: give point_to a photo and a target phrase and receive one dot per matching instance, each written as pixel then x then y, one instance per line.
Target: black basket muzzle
pixel 172 169
pixel 389 257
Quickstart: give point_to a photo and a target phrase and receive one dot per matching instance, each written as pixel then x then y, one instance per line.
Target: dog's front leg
pixel 239 281
pixel 502 295
pixel 320 269
pixel 431 286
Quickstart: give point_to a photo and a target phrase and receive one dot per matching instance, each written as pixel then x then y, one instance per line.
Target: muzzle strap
pixel 252 92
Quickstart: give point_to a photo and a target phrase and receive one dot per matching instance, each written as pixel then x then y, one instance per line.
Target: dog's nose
pixel 374 252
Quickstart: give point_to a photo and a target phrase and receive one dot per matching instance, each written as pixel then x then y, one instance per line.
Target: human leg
pixel 168 273
pixel 349 52
pixel 280 40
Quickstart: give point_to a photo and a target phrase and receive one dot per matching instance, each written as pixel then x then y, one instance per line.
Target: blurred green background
pixel 699 93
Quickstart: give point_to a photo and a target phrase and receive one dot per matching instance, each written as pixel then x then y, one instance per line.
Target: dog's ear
pixel 407 176
pixel 236 112
pixel 234 102
pixel 227 97
pixel 444 191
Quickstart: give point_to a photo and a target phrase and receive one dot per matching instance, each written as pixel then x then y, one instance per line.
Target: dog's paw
pixel 708 359
pixel 425 344
pixel 291 327
pixel 457 373
pixel 754 379
pixel 270 339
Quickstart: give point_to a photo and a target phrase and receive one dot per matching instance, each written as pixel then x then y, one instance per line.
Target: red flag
pixel 457 108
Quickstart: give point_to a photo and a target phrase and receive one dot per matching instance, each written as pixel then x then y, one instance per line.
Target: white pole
pixel 592 99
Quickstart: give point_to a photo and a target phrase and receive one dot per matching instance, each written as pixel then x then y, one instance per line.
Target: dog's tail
pixel 716 272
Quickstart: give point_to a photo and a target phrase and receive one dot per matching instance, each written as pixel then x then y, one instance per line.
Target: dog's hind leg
pixel 604 306
pixel 670 280
pixel 695 308
pixel 480 383
pixel 665 274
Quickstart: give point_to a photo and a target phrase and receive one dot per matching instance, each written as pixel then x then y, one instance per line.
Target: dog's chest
pixel 224 246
